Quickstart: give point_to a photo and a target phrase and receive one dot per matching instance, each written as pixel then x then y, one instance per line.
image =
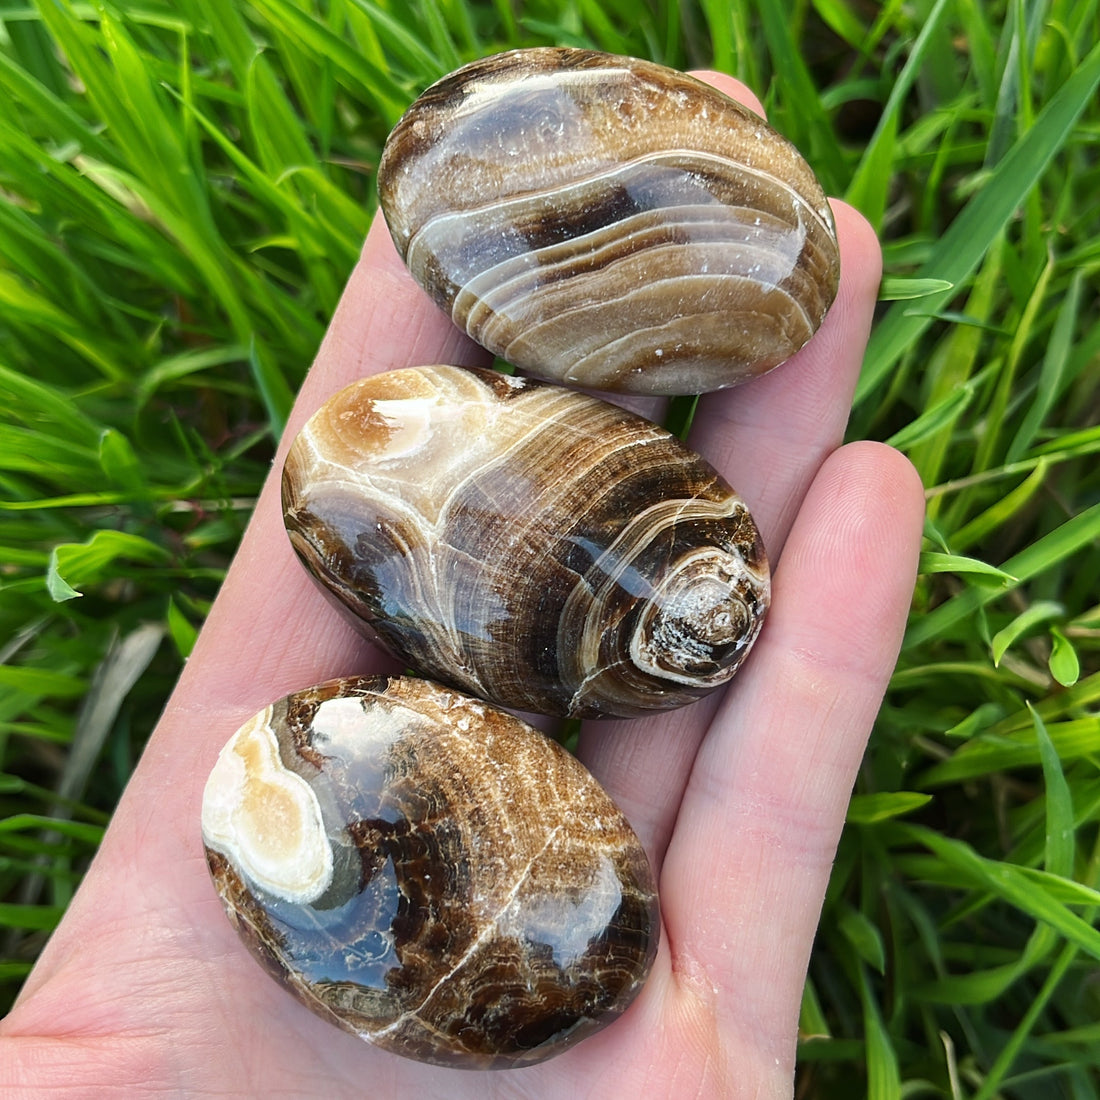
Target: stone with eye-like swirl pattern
pixel 429 873
pixel 537 547
pixel 607 222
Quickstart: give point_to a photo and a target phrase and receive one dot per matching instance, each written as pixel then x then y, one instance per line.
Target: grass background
pixel 183 189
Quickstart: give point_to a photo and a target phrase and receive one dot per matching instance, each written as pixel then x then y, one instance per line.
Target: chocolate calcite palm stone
pixel 607 222
pixel 534 546
pixel 429 872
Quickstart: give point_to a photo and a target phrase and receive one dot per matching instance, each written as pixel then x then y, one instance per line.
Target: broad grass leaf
pixel 605 35
pixel 38 683
pixel 864 937
pixel 184 365
pixel 869 187
pixel 44 448
pixel 977 720
pixel 77 830
pixel 981 571
pixel 272 386
pixel 812 1022
pixel 180 629
pixel 277 133
pixel 934 420
pixel 991 751
pixel 805 122
pixel 119 462
pixel 988 442
pixel 59 589
pixel 899 288
pixel 58 118
pixel 1064 664
pixel 959 360
pixel 1041 611
pixel 401 44
pixel 1081 699
pixel 456 24
pixel 1059 805
pixel 1078 531
pixel 843 21
pixel 1064 890
pixel 870 809
pixel 36 917
pixel 983 986
pixel 883 1074
pixel 1052 371
pixel 719 21
pixel 32 307
pixel 1027 891
pixel 73 564
pixel 1003 509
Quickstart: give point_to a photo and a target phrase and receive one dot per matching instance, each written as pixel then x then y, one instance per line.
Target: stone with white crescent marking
pixel 535 546
pixel 429 873
pixel 608 222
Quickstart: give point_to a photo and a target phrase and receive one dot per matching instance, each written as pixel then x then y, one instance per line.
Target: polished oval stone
pixel 608 222
pixel 537 547
pixel 429 873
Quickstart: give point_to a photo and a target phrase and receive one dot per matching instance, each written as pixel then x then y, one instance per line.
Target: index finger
pixel 731 86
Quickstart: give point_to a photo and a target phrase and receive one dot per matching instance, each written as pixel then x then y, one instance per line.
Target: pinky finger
pixel 746 871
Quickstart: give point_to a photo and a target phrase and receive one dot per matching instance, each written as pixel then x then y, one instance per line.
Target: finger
pixel 747 867
pixel 768 438
pixel 732 87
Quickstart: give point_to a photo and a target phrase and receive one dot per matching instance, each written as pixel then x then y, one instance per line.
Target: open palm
pixel 739 799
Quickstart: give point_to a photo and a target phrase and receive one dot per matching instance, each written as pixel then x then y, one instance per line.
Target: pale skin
pixel 739 799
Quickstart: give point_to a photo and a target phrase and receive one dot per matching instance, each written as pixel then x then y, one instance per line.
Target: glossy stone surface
pixel 608 222
pixel 537 547
pixel 429 873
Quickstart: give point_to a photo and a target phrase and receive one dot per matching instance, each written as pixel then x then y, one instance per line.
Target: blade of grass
pixel 992 752
pixel 1052 372
pixel 954 366
pixel 376 86
pixel 955 256
pixel 1002 510
pixel 1060 846
pixel 883 1073
pixel 1060 853
pixel 1009 883
pixel 1075 533
pixel 802 119
pixel 988 442
pixel 869 187
pixel 932 562
pixel 1041 612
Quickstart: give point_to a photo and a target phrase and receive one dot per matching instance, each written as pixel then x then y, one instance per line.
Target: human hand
pixel 739 799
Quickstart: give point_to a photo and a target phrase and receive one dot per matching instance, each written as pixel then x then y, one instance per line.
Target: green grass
pixel 183 189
